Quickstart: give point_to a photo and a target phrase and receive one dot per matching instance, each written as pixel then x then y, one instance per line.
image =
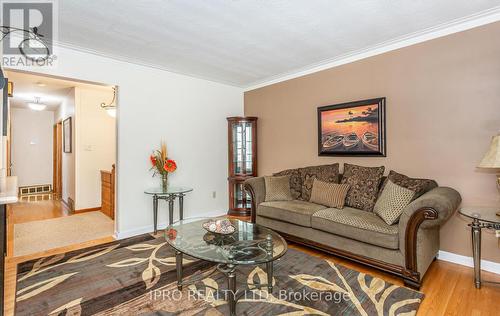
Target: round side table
pixel 170 194
pixel 482 217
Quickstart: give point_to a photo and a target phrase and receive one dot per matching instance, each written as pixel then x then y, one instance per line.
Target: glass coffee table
pixel 250 244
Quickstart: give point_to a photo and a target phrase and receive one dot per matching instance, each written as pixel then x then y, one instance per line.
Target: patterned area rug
pixel 137 276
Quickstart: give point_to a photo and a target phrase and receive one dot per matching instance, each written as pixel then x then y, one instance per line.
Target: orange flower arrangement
pixel 170 166
pixel 153 160
pixel 161 165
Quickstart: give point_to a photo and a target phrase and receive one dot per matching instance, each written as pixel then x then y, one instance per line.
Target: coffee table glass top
pixel 250 244
pixel 487 214
pixel 170 190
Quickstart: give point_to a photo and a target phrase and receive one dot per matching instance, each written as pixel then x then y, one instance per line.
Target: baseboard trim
pixel 85 210
pixel 162 225
pixel 486 265
pixel 65 203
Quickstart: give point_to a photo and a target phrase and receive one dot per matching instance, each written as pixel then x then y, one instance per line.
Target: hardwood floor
pixel 23 212
pixel 448 287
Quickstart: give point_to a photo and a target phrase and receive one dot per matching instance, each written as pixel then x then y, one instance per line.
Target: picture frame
pixel 352 129
pixel 67 135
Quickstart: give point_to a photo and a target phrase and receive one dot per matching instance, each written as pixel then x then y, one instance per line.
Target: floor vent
pixel 36 197
pixel 35 189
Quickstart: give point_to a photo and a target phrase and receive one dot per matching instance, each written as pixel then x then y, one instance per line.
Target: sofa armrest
pixel 257 189
pixel 443 200
pixel 427 212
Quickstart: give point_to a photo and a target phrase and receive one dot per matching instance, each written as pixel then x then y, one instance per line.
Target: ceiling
pixel 51 90
pixel 244 42
pixel 26 87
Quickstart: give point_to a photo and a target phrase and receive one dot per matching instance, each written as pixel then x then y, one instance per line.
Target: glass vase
pixel 164 182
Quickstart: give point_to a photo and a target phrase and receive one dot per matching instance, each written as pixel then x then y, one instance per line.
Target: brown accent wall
pixel 443 106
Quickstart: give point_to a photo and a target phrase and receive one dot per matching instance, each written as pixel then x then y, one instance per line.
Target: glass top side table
pixel 482 217
pixel 172 193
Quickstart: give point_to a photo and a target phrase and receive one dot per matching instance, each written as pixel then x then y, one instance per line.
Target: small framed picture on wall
pixel 67 135
pixel 352 129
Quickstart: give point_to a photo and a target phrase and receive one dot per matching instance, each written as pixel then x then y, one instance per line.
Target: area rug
pixel 37 236
pixel 136 276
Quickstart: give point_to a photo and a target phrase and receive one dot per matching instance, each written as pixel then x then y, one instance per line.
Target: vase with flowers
pixel 162 165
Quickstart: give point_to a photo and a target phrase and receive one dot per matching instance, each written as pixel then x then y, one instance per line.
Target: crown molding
pixel 138 62
pixel 458 25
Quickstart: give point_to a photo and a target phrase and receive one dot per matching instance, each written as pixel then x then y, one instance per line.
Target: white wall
pixel 65 110
pixel 32 133
pixel 188 113
pixel 95 144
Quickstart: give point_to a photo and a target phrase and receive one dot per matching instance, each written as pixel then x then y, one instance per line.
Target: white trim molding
pixel 486 265
pixel 162 225
pixel 458 25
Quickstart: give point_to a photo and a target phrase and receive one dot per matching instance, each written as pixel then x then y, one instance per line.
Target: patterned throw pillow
pixel 364 182
pixel 329 194
pixel 278 189
pixel 419 186
pixel 295 181
pixel 328 173
pixel 392 201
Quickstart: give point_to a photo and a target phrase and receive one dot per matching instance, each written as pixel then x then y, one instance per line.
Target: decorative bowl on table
pixel 219 226
pixel 218 239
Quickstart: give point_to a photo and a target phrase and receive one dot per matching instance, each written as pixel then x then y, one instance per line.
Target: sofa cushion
pixel 329 194
pixel 419 186
pixel 295 181
pixel 278 188
pixel 327 173
pixel 392 202
pixel 357 224
pixel 296 212
pixel 364 182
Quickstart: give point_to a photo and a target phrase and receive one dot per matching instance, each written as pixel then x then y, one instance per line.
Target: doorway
pixel 57 160
pixel 63 152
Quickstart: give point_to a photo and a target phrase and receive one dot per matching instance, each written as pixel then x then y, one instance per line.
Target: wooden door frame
pixel 57 160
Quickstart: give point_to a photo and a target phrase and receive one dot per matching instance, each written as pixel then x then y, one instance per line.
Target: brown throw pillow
pixel 364 182
pixel 327 173
pixel 295 181
pixel 329 194
pixel 419 186
pixel 278 189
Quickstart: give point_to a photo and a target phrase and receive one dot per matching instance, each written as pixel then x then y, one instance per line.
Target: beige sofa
pixel 406 248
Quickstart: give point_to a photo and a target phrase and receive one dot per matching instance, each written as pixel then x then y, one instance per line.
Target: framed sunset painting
pixel 352 129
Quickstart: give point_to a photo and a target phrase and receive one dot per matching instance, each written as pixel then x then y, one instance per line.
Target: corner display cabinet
pixel 242 138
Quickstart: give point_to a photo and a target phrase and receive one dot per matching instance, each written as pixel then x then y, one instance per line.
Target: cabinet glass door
pixel 242 198
pixel 242 148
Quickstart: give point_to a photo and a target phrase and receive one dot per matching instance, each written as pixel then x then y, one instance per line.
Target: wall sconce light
pixel 10 89
pixel 111 107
